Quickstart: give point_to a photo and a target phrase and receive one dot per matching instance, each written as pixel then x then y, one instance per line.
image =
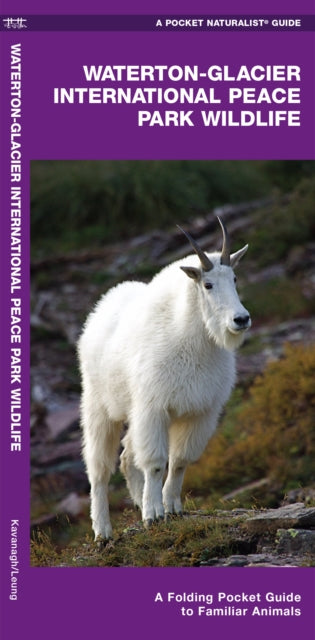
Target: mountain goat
pixel 158 357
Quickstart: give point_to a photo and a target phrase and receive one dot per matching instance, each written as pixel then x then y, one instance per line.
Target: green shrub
pixel 273 433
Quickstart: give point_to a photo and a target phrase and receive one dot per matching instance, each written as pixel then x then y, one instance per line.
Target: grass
pixel 188 541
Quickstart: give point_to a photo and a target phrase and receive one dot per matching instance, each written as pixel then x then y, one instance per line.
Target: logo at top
pixel 15 23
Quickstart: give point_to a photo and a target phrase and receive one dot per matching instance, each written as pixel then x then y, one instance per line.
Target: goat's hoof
pixel 101 542
pixel 148 523
pixel 171 516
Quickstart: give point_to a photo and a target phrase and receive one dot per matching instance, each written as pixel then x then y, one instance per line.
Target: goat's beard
pixel 223 336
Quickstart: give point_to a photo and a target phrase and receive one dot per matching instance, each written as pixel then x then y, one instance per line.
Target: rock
pixel 236 561
pixel 253 560
pixel 60 420
pixel 289 516
pixel 48 519
pixel 300 258
pixel 259 540
pixel 73 504
pixel 246 488
pixel 269 273
pixel 302 494
pixel 65 451
pixel 296 541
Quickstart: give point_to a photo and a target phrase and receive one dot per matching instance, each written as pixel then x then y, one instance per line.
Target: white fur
pixel 158 357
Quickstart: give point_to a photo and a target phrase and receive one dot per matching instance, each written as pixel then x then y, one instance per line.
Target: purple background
pixel 60 603
pixel 162 6
pixel 111 131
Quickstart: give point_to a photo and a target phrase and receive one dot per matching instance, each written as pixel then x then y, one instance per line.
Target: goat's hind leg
pixel 134 477
pixel 100 448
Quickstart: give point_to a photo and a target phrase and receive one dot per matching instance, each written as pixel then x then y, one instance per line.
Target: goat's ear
pixel 235 257
pixel 192 272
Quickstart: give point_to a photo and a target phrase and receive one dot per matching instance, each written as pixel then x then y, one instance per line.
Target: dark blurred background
pixel 86 204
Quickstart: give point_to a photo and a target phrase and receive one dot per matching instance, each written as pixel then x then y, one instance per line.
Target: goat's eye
pixel 208 285
pixel 235 279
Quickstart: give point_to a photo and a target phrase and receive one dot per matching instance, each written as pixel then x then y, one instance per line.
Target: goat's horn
pixel 226 248
pixel 205 262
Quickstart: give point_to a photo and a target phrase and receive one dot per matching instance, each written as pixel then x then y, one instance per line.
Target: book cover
pixel 118 123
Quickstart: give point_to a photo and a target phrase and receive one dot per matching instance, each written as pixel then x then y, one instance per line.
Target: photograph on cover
pixel 205 362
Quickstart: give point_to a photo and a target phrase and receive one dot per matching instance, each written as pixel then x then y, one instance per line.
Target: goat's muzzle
pixel 242 322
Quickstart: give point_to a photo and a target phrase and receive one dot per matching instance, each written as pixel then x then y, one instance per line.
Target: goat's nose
pixel 242 321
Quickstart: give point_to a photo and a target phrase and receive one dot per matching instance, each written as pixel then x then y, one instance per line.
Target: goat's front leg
pixel 188 439
pixel 152 505
pixel 149 435
pixel 173 487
